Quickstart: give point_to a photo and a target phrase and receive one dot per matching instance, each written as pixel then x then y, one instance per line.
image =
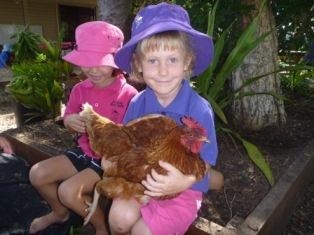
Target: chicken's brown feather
pixel 106 138
pixel 146 131
pixel 136 148
pixel 113 187
pixel 134 165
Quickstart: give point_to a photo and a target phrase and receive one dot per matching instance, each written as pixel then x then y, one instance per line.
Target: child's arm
pixel 5 145
pixel 174 182
pixel 216 179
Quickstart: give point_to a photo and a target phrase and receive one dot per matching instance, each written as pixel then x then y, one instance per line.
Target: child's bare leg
pixel 216 180
pixel 45 177
pixel 41 223
pixel 122 223
pixel 74 193
pixel 141 228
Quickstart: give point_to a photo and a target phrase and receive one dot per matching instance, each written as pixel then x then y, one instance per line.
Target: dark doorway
pixel 71 17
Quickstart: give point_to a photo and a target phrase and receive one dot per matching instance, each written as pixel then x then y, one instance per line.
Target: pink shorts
pixel 173 216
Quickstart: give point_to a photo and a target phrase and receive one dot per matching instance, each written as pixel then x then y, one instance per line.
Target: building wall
pixel 43 14
pixel 11 12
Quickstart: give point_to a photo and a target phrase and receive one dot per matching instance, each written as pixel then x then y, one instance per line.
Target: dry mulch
pixel 245 186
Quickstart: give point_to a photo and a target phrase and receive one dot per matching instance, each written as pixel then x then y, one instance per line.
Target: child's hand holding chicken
pixel 158 185
pixel 74 122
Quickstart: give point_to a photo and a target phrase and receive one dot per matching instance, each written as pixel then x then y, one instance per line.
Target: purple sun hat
pixel 96 44
pixel 160 18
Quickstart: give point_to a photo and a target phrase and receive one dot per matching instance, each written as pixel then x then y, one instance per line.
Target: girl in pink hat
pixel 67 181
pixel 164 52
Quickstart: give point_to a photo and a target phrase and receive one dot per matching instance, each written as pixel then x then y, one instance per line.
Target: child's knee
pixel 121 221
pixel 216 180
pixel 36 176
pixel 118 223
pixel 66 194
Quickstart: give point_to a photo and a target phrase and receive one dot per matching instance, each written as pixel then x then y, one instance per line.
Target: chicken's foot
pixel 91 207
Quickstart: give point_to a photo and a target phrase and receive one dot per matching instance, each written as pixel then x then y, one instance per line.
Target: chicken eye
pixel 189 136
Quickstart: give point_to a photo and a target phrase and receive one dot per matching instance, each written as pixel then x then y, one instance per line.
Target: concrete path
pixel 5 75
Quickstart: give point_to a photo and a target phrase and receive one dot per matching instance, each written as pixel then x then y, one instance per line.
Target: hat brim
pixel 201 43
pixel 89 59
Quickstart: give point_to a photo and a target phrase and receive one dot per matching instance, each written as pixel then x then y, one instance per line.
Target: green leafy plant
pixel 26 47
pixel 36 86
pixel 297 78
pixel 51 53
pixel 38 75
pixel 212 82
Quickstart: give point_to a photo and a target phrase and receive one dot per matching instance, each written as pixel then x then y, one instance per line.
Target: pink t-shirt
pixel 111 102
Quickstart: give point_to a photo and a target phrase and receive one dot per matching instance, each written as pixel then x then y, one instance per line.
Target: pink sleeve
pixel 74 103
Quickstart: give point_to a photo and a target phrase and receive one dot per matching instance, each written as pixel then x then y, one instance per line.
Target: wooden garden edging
pixel 269 217
pixel 31 154
pixel 273 213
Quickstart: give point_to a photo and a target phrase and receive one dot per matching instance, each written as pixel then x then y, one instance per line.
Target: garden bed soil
pixel 245 186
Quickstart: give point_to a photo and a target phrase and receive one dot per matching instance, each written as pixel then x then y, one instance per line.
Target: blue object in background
pixel 309 57
pixel 5 55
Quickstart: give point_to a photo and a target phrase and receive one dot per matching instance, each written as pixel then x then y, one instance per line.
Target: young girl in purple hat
pixel 164 52
pixel 67 181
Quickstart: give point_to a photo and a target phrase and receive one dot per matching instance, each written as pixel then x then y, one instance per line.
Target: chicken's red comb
pixel 192 123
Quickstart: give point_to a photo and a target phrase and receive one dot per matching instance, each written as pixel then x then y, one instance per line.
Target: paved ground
pixel 7 120
pixel 5 75
pixel 20 203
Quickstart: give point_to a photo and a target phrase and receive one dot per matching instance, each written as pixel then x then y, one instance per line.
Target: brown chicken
pixel 133 150
pixel 109 139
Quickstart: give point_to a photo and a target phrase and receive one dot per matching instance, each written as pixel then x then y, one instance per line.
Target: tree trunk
pixel 259 111
pixel 117 12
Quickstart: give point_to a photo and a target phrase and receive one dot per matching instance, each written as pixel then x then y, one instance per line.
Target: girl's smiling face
pixel 162 61
pixel 163 71
pixel 100 76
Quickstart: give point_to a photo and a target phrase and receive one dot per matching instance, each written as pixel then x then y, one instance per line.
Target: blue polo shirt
pixel 187 103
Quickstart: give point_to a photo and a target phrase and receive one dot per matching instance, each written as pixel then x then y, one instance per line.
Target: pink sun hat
pixel 96 44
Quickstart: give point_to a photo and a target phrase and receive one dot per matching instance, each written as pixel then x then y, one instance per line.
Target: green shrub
pixel 212 83
pixel 38 74
pixel 297 79
pixel 36 86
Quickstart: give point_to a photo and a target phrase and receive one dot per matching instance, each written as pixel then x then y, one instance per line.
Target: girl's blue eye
pixel 151 61
pixel 173 60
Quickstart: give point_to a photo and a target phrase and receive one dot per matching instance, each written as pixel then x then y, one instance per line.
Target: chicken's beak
pixel 204 139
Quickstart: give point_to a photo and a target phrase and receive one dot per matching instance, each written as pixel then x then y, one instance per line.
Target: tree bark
pixel 259 111
pixel 117 12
